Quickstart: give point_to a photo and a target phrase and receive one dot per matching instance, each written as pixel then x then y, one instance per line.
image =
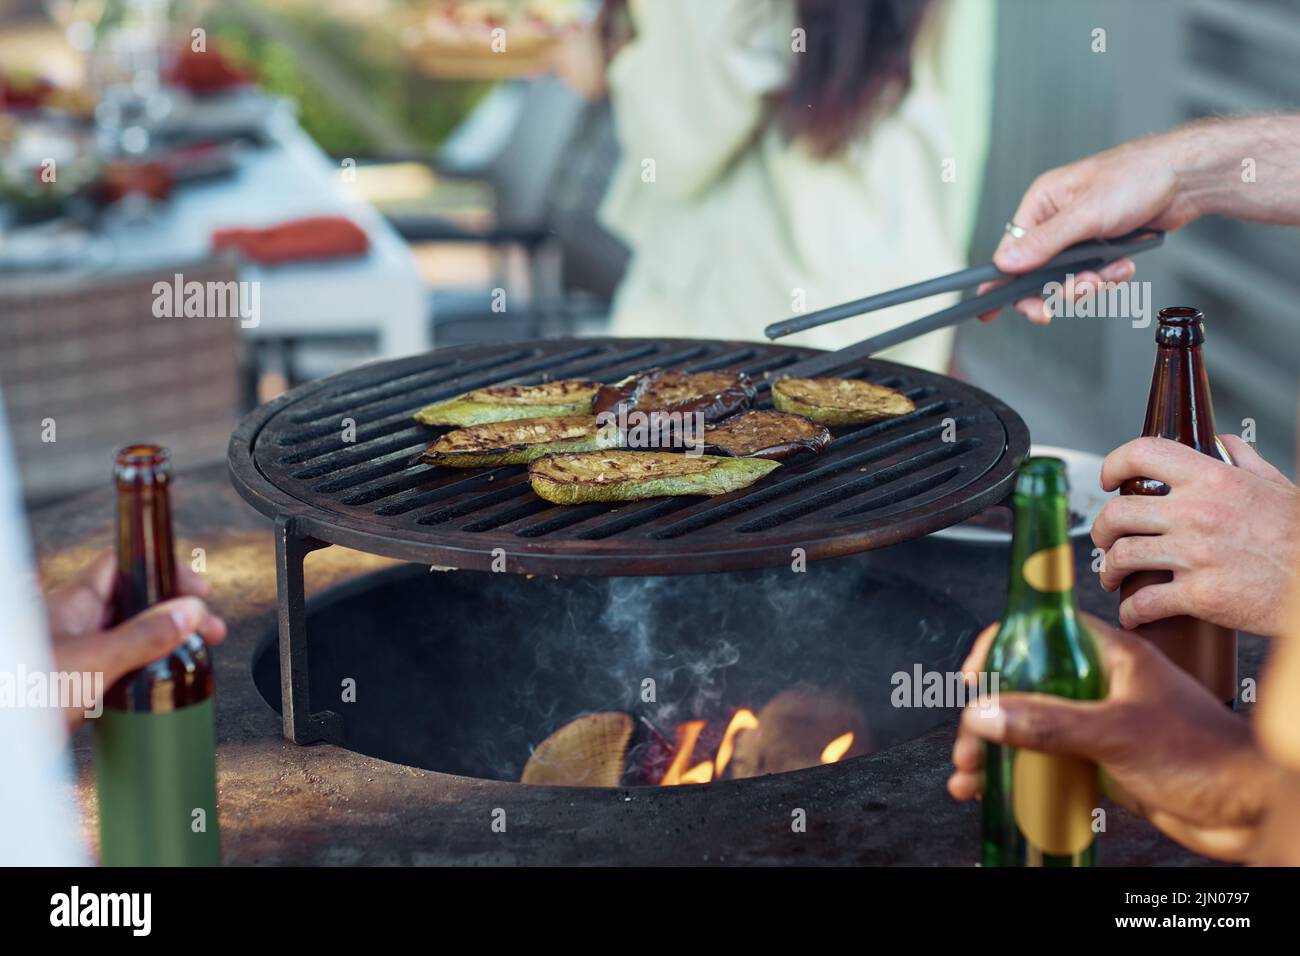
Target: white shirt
pixel 38 819
pixel 733 226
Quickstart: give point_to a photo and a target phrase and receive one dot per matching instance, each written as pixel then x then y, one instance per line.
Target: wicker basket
pixel 88 355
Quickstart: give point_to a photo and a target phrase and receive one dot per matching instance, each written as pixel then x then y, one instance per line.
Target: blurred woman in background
pixel 781 156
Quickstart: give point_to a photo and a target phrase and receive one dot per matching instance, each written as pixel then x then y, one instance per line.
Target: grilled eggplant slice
pixel 715 394
pixel 634 475
pixel 513 443
pixel 626 392
pixel 661 409
pixel 839 401
pixel 765 434
pixel 503 403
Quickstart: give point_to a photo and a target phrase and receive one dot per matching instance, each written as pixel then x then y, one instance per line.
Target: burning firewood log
pixel 587 752
pixel 795 730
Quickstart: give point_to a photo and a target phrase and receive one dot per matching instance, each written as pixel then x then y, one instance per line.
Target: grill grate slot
pixel 380 467
pixel 486 373
pixel 796 483
pixel 563 518
pixel 333 431
pixel 354 458
pixel 503 492
pixel 857 486
pixel 457 486
pixel 727 360
pixel 415 477
pixel 772 363
pixel 622 364
pixel 866 432
pixel 349 400
pixel 898 495
pixel 508 516
pixel 634 516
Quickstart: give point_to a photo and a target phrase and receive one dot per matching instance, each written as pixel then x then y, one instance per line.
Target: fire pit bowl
pixel 465 672
pixel 335 462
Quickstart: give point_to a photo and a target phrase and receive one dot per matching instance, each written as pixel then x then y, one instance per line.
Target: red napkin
pixel 318 237
pixel 206 72
pixel 20 93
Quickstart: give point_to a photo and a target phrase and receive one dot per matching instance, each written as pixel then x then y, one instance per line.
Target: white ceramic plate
pixel 1086 498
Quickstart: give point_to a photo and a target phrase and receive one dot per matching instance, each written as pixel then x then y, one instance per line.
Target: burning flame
pixel 682 770
pixel 743 719
pixel 837 748
pixel 687 734
pixel 700 773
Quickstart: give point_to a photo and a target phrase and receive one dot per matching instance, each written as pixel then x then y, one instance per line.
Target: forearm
pixel 1247 168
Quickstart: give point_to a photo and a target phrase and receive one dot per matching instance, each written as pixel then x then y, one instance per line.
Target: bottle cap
pixel 1038 477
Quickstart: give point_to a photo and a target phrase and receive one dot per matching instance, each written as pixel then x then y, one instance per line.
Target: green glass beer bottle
pixel 155 756
pixel 1038 808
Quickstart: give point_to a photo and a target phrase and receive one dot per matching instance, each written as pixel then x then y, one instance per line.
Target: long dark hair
pixel 857 66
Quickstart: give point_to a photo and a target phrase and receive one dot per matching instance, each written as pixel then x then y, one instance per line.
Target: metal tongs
pixel 1083 257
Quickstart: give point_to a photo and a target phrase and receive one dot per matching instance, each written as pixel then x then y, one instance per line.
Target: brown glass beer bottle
pixel 1179 408
pixel 154 746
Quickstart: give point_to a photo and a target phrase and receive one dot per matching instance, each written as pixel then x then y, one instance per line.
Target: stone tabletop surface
pixel 281 804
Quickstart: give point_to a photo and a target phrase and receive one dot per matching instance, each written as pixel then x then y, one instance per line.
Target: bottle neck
pixel 146 561
pixel 1180 407
pixel 1042 561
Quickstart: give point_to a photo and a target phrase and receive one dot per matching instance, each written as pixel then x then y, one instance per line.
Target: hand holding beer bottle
pixel 1230 535
pixel 79 613
pixel 1167 750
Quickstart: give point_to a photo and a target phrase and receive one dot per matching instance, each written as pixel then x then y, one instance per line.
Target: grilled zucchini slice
pixel 765 434
pixel 634 475
pixel 503 403
pixel 839 401
pixel 513 443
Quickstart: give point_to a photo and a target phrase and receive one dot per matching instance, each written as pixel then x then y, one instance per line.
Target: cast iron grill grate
pixel 876 485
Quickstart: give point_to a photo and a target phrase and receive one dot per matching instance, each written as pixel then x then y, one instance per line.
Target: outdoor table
pixel 379 293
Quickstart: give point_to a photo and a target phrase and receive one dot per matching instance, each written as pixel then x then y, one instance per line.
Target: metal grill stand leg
pixel 300 724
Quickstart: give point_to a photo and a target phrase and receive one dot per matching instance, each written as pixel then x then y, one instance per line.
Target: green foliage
pixel 426 109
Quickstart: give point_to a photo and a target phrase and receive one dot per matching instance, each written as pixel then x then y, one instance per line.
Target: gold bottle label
pixel 1050 570
pixel 1052 799
pixel 1223 450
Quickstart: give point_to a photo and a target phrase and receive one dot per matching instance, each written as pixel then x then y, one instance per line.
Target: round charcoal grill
pixel 876 484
